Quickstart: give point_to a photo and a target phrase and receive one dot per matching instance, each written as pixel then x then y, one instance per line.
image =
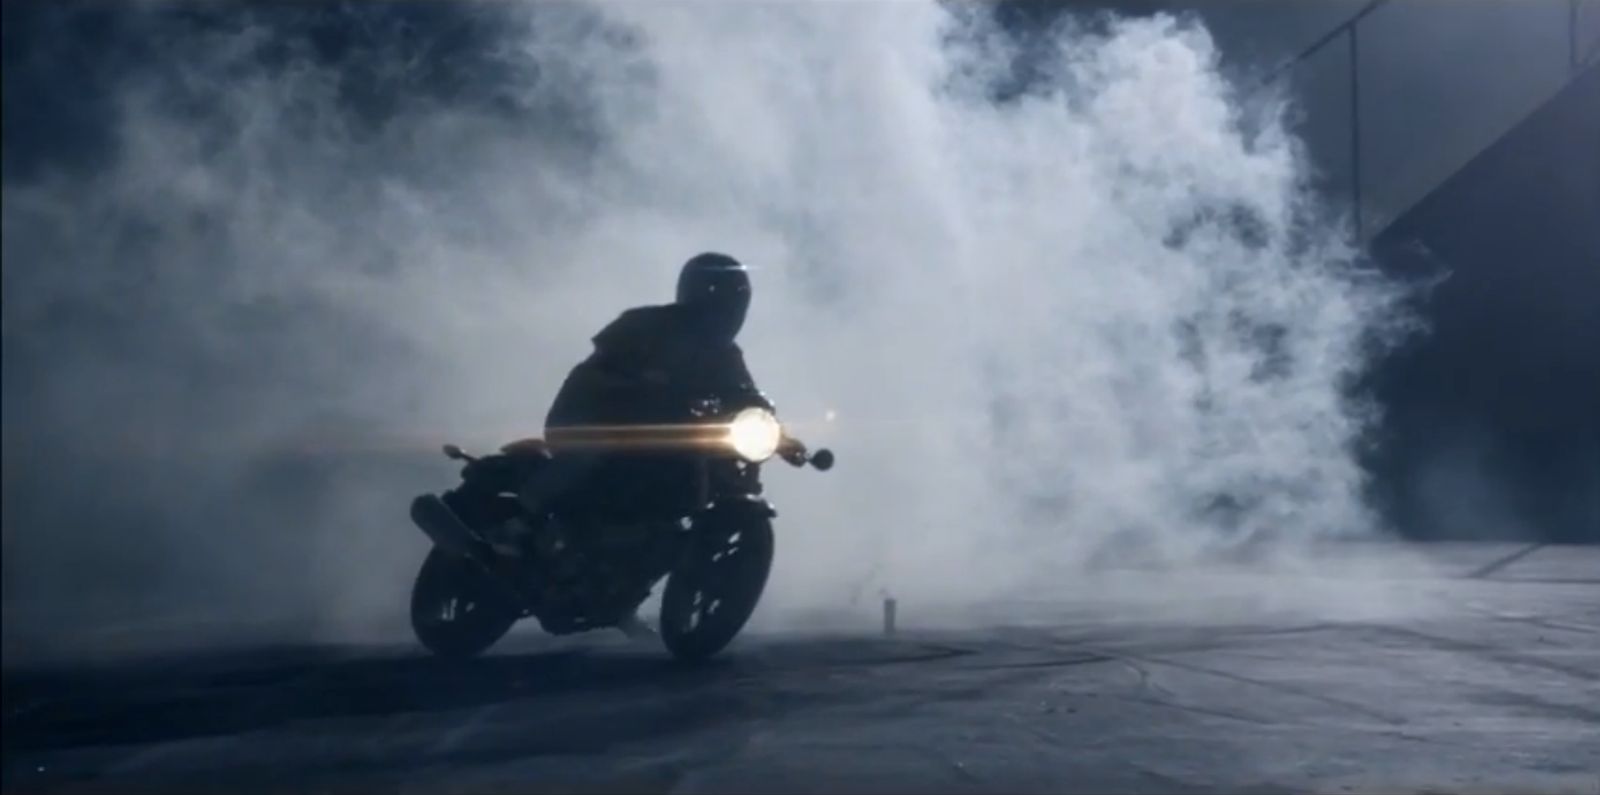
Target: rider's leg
pixel 537 494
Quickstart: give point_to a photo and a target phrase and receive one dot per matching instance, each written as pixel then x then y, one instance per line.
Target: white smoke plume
pixel 1099 314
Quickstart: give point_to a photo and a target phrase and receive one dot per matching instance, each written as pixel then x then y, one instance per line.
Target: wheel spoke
pixel 450 611
pixel 711 598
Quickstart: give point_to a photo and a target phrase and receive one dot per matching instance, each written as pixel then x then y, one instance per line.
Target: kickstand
pixel 635 628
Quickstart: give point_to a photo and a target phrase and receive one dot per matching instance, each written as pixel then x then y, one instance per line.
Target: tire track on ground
pixel 1491 653
pixel 1497 564
pixel 1352 706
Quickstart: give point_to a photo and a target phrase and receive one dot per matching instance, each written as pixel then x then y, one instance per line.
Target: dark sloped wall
pixel 1494 417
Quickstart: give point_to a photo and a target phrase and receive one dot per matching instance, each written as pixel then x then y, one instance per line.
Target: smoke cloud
pixel 1063 303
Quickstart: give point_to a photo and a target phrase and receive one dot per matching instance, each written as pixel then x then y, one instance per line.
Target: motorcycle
pixel 575 569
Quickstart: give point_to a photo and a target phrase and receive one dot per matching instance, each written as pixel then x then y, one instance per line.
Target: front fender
pixel 741 506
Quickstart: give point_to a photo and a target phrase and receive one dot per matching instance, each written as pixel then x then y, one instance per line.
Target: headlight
pixel 755 435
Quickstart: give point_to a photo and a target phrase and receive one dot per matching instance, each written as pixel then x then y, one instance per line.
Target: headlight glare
pixel 755 435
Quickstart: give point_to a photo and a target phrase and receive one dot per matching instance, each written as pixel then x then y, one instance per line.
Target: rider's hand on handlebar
pixel 793 450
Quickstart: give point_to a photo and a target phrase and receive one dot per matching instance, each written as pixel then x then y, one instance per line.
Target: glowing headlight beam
pixel 755 435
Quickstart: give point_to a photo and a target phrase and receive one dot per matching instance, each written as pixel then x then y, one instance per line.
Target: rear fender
pixel 503 473
pixel 527 448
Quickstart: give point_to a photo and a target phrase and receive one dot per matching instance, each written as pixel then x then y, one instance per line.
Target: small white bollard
pixel 888 615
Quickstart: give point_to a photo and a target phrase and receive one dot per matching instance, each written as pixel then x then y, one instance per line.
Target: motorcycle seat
pixel 530 447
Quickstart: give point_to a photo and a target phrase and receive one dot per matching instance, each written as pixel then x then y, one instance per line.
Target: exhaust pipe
pixel 450 534
pixel 447 531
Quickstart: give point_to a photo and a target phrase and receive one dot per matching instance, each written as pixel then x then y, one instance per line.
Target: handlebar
pixel 795 453
pixel 789 449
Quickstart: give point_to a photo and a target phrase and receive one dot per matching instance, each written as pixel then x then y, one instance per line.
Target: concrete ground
pixel 1477 673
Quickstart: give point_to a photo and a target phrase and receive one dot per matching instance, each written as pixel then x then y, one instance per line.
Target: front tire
pixel 709 598
pixel 455 611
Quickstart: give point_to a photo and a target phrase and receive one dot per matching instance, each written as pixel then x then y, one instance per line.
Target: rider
pixel 651 359
pixel 648 365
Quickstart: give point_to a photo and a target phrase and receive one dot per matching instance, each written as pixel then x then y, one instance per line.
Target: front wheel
pixel 455 610
pixel 712 594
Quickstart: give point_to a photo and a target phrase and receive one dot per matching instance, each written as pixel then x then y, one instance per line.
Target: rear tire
pixel 455 611
pixel 709 598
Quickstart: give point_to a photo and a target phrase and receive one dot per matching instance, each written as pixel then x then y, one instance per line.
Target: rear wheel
pixel 709 598
pixel 455 611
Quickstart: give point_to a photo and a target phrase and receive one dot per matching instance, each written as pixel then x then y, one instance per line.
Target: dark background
pixel 1507 383
pixel 1501 397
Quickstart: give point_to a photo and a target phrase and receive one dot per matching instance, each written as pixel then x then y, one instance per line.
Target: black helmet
pixel 717 288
